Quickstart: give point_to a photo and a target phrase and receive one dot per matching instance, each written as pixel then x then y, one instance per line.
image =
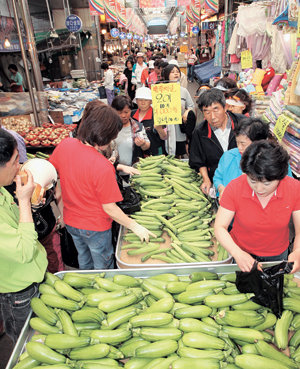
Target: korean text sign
pixel 166 103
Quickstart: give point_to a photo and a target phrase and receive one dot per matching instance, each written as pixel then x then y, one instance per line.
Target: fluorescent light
pixel 53 34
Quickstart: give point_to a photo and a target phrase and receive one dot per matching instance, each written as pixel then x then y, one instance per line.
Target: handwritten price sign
pixel 281 125
pixel 246 59
pixel 166 103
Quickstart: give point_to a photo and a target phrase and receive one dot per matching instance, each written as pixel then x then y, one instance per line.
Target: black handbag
pixel 68 250
pixel 189 126
pixel 131 199
pixel 102 92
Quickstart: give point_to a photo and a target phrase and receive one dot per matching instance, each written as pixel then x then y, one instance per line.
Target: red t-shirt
pixel 87 180
pixel 262 232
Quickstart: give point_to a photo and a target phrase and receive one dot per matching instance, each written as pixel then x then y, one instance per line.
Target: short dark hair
pixel 209 97
pixel 225 82
pixel 265 160
pixel 157 62
pixel 104 66
pixel 253 128
pixel 119 102
pixel 168 69
pixel 13 67
pixel 100 124
pixel 8 144
pixel 129 60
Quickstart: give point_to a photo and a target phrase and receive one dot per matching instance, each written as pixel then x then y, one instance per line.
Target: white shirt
pixel 109 79
pixel 223 135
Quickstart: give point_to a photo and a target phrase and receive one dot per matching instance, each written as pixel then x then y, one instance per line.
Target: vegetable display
pixel 174 206
pixel 144 324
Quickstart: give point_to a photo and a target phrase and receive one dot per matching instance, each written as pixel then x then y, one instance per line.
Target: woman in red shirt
pixel 89 187
pixel 261 201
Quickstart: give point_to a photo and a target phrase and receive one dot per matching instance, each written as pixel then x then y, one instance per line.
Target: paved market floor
pixel 6 347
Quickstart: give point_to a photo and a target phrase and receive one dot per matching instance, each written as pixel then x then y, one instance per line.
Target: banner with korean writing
pixel 281 125
pixel 152 3
pixel 110 11
pixel 182 2
pixel 121 13
pixel 129 18
pixel 211 6
pixel 188 14
pixel 195 10
pixel 166 103
pixel 96 7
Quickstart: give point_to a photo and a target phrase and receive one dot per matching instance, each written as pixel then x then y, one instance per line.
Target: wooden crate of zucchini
pixel 176 319
pixel 175 209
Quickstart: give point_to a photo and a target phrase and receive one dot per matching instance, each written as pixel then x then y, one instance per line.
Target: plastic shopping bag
pixel 267 285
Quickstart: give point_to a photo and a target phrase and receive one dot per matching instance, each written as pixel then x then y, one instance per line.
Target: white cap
pixel 174 62
pixel 151 64
pixel 143 93
pixel 221 88
pixel 140 54
pixel 234 102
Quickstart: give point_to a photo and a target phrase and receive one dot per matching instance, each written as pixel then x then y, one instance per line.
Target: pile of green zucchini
pixel 38 154
pixel 87 321
pixel 172 202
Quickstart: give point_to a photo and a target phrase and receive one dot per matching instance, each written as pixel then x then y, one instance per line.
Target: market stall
pixel 175 319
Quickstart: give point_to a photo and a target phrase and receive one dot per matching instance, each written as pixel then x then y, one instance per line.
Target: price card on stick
pixel 166 103
pixel 246 59
pixel 281 125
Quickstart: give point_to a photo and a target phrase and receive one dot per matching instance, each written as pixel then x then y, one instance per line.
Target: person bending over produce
pixel 261 201
pixel 89 187
pixel 23 260
pixel 247 131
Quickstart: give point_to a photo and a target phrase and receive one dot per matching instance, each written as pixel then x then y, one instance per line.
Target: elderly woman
pixel 261 201
pixel 89 187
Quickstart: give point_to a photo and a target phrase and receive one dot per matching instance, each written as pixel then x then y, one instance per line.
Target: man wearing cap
pixel 213 136
pixel 137 70
pixel 23 260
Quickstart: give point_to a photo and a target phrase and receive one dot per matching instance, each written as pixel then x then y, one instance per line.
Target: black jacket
pixel 206 150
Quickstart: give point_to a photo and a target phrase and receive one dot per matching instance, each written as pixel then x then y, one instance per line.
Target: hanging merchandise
pixel 219 46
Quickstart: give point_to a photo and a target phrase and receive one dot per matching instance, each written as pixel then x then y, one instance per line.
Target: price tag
pixel 166 103
pixel 246 59
pixel 281 125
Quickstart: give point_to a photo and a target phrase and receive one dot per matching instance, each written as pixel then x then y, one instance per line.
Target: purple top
pixel 21 145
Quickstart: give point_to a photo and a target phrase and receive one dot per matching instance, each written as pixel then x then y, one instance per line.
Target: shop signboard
pixel 136 37
pixel 114 32
pixel 122 35
pixel 246 59
pixel 141 38
pixel 281 125
pixel 182 34
pixel 195 29
pixel 209 26
pixel 129 36
pixel 166 103
pixel 73 23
